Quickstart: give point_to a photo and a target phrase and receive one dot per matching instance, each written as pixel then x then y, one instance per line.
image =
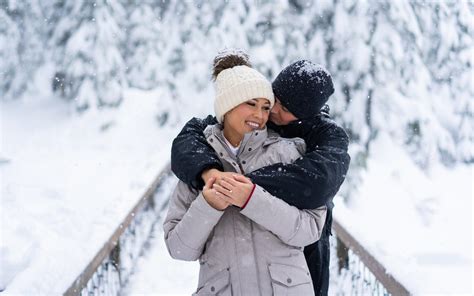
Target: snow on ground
pixel 417 224
pixel 68 179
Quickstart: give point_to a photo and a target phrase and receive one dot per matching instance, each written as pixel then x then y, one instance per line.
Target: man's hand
pixel 216 174
pixel 235 190
pixel 212 197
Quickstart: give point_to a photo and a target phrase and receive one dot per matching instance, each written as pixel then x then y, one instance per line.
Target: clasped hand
pixel 227 189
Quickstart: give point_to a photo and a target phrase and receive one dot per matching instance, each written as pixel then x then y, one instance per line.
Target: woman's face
pixel 247 117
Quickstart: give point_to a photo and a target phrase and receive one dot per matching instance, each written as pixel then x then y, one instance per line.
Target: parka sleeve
pixel 191 147
pixel 188 224
pixel 314 179
pixel 294 227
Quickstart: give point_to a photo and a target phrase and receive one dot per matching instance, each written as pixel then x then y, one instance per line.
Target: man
pixel 301 90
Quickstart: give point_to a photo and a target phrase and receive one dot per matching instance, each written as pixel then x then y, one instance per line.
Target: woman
pixel 252 243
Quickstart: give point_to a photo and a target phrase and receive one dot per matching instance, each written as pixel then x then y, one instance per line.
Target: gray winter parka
pixel 254 251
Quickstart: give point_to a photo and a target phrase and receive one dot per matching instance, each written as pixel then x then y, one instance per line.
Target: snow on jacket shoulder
pixel 254 251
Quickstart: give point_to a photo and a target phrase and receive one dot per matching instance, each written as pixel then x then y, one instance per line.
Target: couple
pixel 248 232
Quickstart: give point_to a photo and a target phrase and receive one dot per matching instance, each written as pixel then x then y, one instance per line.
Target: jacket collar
pixel 215 137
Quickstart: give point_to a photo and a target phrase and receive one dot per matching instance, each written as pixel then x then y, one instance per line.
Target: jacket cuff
pixel 205 208
pixel 256 203
pixel 250 196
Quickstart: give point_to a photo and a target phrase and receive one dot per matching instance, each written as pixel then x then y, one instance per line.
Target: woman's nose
pixel 258 114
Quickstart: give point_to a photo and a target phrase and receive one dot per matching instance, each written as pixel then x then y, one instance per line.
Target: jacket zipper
pixel 240 166
pixel 255 253
pixel 237 160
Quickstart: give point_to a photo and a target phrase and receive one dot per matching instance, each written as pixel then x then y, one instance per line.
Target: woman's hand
pixel 214 199
pixel 235 190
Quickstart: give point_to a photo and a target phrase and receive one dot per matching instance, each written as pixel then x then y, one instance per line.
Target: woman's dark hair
pixel 229 58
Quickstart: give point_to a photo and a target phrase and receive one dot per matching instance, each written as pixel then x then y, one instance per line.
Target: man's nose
pixel 275 109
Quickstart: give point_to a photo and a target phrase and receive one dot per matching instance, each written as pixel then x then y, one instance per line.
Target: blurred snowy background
pixel 93 92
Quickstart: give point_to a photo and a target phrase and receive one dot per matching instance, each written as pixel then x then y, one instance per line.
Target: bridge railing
pixel 356 272
pixel 111 267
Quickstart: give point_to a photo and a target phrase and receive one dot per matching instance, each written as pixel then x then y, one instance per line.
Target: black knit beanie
pixel 303 88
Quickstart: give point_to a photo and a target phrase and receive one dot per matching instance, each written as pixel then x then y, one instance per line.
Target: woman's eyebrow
pixel 255 100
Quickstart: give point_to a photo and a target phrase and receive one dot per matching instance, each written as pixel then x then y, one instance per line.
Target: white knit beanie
pixel 237 85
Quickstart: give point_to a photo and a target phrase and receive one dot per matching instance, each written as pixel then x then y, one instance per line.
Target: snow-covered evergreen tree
pixel 391 62
pixel 402 68
pixel 143 46
pixel 9 58
pixel 90 67
pixel 21 45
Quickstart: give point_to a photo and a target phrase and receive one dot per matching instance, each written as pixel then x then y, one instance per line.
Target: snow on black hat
pixel 303 88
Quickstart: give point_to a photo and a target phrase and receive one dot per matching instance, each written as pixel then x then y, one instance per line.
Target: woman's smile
pixel 246 117
pixel 253 125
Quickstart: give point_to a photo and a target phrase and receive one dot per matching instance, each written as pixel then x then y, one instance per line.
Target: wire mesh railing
pixel 105 281
pixel 110 269
pixel 354 271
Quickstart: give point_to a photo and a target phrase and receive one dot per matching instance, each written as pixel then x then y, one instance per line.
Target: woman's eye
pixel 250 104
pixel 266 108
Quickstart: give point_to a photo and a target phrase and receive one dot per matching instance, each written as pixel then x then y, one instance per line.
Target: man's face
pixel 279 115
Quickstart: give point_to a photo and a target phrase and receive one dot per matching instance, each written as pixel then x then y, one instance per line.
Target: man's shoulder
pixel 320 121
